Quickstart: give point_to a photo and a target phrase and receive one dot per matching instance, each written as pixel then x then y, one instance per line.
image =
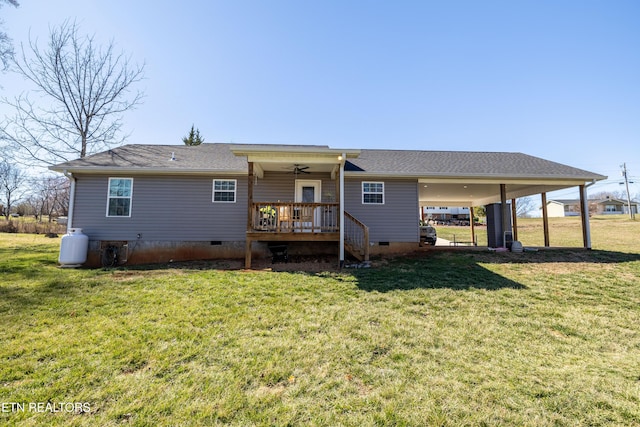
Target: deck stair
pixel 356 237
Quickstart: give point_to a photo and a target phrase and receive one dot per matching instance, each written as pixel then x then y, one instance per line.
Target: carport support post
pixel 514 219
pixel 584 215
pixel 545 220
pixel 503 209
pixel 473 226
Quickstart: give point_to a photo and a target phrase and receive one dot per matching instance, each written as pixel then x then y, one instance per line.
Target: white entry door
pixel 308 191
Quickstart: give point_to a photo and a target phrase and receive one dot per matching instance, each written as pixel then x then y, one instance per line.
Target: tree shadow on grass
pixel 441 272
pixel 464 270
pixel 557 256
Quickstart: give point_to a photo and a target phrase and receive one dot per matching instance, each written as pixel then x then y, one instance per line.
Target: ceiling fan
pixel 299 169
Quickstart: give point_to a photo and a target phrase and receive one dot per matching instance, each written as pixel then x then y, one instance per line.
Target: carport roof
pixel 455 164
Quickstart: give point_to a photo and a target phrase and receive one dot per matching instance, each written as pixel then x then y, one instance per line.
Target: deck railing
pixel 289 217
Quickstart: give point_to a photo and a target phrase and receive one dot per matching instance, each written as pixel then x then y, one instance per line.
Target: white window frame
pixel 235 190
pixel 109 197
pixel 372 192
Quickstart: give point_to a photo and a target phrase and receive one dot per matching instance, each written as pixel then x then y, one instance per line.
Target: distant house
pixel 608 206
pixel 157 203
pixel 611 206
pixel 558 208
pixel 445 213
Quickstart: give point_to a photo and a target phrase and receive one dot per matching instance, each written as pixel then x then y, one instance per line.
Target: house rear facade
pixel 157 203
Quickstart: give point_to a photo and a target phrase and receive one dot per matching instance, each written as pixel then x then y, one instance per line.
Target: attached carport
pixel 468 179
pixel 472 192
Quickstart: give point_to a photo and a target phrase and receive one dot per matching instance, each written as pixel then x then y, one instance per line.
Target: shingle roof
pixel 218 157
pixel 204 157
pixel 573 201
pixel 464 163
pixel 565 201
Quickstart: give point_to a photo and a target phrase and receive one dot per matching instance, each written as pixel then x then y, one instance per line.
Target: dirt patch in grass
pixel 309 264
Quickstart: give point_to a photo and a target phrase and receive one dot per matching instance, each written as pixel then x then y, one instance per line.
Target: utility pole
pixel 626 183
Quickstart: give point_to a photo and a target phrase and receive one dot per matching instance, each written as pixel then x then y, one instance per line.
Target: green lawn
pixel 539 339
pixel 614 232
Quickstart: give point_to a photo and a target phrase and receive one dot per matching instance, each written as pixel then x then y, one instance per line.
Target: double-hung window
pixel 224 190
pixel 119 197
pixel 373 193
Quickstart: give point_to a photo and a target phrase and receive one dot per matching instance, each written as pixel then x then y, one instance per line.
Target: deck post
pixel 545 219
pixel 514 219
pixel 247 254
pixel 584 216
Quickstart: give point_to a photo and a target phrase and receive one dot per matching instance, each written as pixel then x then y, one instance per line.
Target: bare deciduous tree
pixel 49 197
pixel 525 205
pixel 83 89
pixel 602 195
pixel 6 47
pixel 12 180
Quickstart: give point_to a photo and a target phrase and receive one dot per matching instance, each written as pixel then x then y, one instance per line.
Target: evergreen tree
pixel 194 137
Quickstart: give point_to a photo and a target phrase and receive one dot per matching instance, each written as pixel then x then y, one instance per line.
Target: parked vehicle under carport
pixel 428 235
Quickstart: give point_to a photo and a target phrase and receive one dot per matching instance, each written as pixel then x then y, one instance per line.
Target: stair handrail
pixel 356 234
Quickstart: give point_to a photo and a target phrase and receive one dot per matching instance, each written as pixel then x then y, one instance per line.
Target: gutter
pixel 72 197
pixel 99 170
pixel 477 178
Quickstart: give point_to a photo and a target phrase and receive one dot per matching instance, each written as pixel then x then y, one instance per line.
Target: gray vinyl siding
pixel 278 186
pixel 169 208
pixel 394 221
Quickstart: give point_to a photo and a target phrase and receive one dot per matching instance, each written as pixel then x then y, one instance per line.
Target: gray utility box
pixel 495 233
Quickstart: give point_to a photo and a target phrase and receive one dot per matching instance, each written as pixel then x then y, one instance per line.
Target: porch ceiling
pixel 274 158
pixel 287 166
pixel 473 193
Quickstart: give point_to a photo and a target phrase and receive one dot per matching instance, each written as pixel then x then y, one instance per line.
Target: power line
pixel 626 183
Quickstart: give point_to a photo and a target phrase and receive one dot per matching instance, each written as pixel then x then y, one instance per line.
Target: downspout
pixel 585 213
pixel 72 197
pixel 341 179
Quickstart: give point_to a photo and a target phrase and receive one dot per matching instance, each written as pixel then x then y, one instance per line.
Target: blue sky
pixel 555 79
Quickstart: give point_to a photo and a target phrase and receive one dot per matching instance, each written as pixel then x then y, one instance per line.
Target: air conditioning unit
pixel 113 253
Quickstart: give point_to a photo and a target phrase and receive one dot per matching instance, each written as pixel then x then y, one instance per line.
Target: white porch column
pixel 584 213
pixel 341 179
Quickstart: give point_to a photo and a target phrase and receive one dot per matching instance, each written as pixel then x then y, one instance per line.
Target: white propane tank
pixel 73 248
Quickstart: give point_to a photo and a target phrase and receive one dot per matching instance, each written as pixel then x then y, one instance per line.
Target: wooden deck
pixel 304 222
pixel 268 236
